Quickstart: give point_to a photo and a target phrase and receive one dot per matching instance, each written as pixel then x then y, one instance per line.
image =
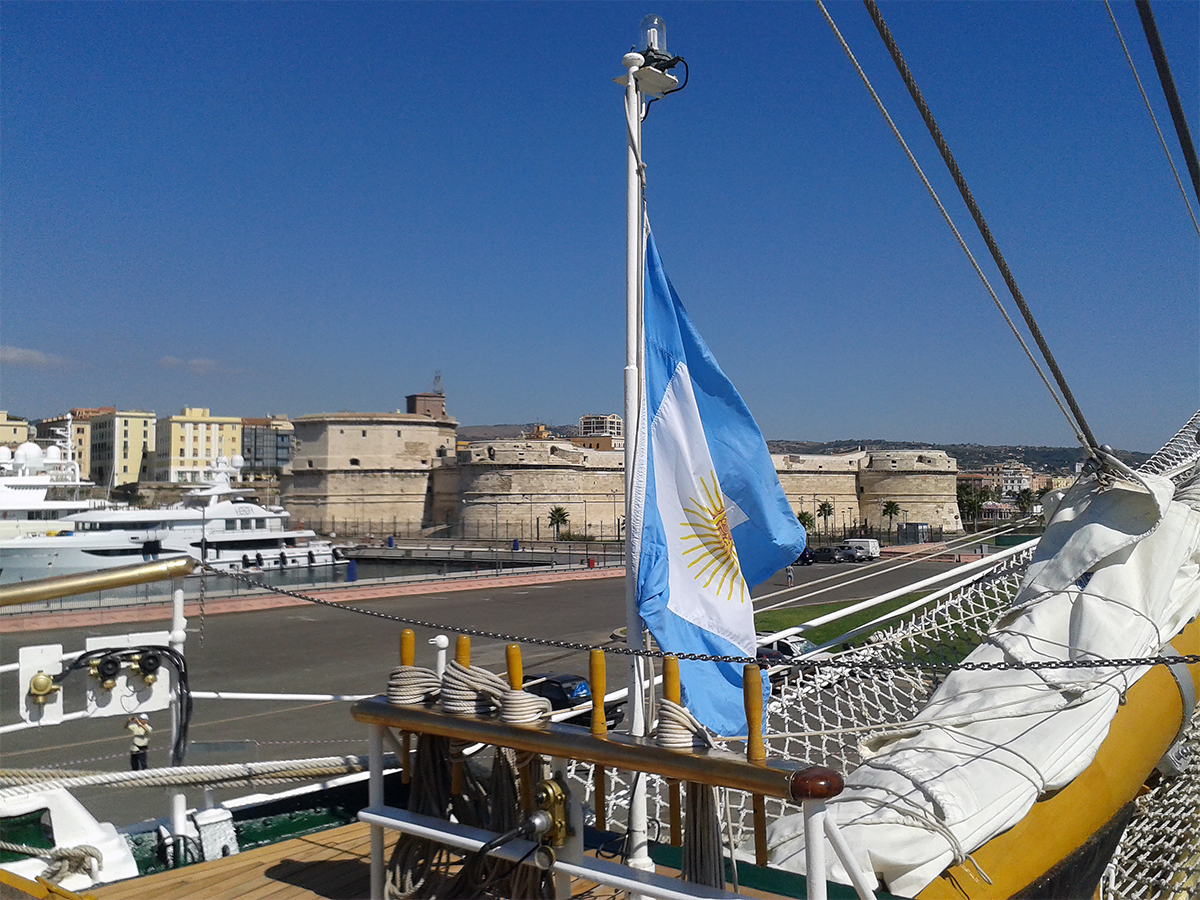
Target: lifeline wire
pixel 949 222
pixel 1088 440
pixel 1157 130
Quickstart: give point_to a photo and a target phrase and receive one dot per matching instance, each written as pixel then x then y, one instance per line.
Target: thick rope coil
pixel 522 708
pixel 18 782
pixel 678 729
pixel 467 690
pixel 412 685
pixel 61 861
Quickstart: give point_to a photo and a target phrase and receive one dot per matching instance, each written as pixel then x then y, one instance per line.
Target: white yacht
pixel 39 487
pixel 215 523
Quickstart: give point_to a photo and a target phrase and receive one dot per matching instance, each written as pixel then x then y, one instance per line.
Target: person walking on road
pixel 140 726
pixel 791 575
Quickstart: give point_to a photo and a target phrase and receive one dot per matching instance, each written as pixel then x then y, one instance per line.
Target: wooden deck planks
pixel 330 865
pixel 333 864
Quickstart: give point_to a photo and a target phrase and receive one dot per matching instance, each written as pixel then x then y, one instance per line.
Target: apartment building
pixel 186 445
pixel 13 431
pixel 600 433
pixel 122 444
pixel 79 420
pixel 266 447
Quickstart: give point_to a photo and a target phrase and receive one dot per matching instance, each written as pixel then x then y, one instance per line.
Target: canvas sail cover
pixel 1114 576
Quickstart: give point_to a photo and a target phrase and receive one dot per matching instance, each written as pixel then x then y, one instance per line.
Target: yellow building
pixel 79 421
pixel 122 441
pixel 13 431
pixel 189 443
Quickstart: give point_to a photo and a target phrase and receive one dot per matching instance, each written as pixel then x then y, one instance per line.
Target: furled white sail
pixel 1116 575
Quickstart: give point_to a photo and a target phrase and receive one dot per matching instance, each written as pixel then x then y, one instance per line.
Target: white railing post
pixel 375 802
pixel 814 848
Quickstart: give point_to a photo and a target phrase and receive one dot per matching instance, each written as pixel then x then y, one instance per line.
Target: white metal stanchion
pixel 814 848
pixel 375 802
pixel 179 799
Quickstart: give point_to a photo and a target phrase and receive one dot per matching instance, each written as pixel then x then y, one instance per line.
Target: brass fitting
pixel 41 686
pixel 105 670
pixel 552 798
pixel 149 673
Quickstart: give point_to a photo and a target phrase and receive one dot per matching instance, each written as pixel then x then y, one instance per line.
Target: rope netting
pixel 1179 453
pixel 821 715
pixel 821 712
pixel 1158 857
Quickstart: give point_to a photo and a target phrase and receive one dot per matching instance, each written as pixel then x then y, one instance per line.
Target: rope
pixel 1087 439
pixel 1154 120
pixel 412 685
pixel 17 782
pixel 949 222
pixel 678 729
pixel 467 690
pixel 523 708
pixel 1170 92
pixel 61 861
pixel 703 861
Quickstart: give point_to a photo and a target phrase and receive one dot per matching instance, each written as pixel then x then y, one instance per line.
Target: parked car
pixel 791 649
pixel 777 666
pixel 831 554
pixel 565 691
pixel 806 557
pixel 855 553
pixel 870 545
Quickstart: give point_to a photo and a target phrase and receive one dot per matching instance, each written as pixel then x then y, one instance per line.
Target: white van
pixel 869 546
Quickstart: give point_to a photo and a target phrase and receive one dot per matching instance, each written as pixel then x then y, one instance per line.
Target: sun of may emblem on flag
pixel 712 542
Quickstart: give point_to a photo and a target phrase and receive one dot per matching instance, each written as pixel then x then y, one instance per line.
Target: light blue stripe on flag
pixel 710 519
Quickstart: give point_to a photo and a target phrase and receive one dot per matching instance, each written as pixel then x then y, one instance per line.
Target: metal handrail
pixel 87 582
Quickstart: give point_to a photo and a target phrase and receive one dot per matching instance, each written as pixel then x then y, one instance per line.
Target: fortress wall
pixel 506 489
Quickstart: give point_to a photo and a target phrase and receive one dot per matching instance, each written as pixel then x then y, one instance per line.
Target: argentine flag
pixel 709 517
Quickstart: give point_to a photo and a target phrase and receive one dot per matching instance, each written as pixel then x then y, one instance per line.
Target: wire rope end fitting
pixel 816 783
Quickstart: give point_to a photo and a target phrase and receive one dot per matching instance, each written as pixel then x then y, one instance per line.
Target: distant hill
pixel 969 456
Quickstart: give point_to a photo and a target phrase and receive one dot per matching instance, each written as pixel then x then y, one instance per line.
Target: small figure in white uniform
pixel 140 726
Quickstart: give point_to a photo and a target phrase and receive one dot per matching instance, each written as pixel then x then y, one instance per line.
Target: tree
pixel 891 509
pixel 558 518
pixel 1025 501
pixel 970 501
pixel 825 510
pixel 807 522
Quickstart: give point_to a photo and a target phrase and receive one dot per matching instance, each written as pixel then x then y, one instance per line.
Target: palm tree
pixel 891 509
pixel 807 522
pixel 1025 501
pixel 558 518
pixel 825 510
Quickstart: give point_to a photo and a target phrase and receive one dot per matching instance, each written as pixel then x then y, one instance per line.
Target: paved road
pixel 317 649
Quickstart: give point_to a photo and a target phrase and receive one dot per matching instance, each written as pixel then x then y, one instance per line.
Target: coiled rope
pixel 678 729
pixel 61 861
pixel 411 685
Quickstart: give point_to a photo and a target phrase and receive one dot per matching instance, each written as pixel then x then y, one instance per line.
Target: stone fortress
pixel 404 473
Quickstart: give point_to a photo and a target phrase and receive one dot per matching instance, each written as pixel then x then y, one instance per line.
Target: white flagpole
pixel 638 849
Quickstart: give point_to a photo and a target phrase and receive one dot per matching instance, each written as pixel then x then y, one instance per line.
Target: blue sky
pixel 298 208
